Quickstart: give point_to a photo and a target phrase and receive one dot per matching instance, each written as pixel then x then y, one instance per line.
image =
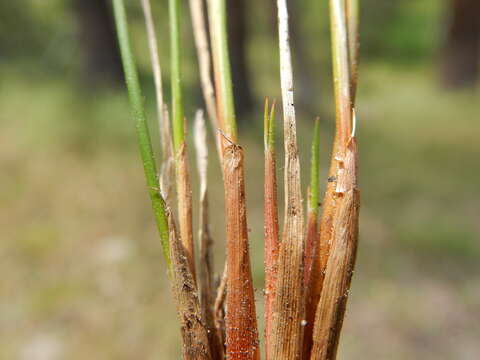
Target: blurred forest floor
pixel 82 271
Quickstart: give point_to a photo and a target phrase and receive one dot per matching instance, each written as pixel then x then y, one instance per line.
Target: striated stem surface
pixel 270 221
pixel 241 322
pixel 339 223
pixel 194 332
pixel 200 33
pixel 288 315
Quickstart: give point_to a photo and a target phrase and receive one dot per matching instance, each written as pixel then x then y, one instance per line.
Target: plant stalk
pixel 241 323
pixel 182 174
pixel 270 220
pixel 339 226
pixel 288 314
pixel 200 33
pixel 143 136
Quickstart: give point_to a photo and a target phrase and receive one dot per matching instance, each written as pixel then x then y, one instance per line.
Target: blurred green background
pixel 82 271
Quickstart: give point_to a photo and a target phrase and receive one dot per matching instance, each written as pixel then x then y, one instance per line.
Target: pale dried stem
pixel 205 278
pixel 184 199
pixel 241 322
pixel 194 331
pixel 167 171
pixel 155 60
pixel 200 33
pixel 286 341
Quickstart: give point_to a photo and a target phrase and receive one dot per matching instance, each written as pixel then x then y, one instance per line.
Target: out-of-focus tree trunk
pixel 96 35
pixel 237 46
pixel 461 56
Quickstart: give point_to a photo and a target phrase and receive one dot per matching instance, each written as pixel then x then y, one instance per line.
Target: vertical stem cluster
pixel 143 135
pixel 241 322
pixel 194 333
pixel 308 272
pixel 339 225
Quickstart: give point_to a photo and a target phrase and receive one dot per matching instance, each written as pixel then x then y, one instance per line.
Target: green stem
pixel 136 103
pixel 269 125
pixel 341 70
pixel 314 169
pixel 223 77
pixel 352 10
pixel 177 101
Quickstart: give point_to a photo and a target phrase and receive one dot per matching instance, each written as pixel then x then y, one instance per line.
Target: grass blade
pixel 287 332
pixel 136 103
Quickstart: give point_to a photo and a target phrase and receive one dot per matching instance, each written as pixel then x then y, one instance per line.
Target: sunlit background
pixel 82 274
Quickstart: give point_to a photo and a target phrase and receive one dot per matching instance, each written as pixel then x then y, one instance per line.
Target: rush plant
pixel 309 263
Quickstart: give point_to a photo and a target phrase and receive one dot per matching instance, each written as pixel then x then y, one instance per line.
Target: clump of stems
pixel 308 269
pixel 194 332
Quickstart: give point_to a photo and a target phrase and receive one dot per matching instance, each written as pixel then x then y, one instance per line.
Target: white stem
pixel 153 47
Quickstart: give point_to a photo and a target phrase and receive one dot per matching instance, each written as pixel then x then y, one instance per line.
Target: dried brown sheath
pixel 311 277
pixel 270 209
pixel 288 315
pixel 339 225
pixel 241 322
pixel 194 331
pixel 184 199
pixel 331 308
pixel 205 279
